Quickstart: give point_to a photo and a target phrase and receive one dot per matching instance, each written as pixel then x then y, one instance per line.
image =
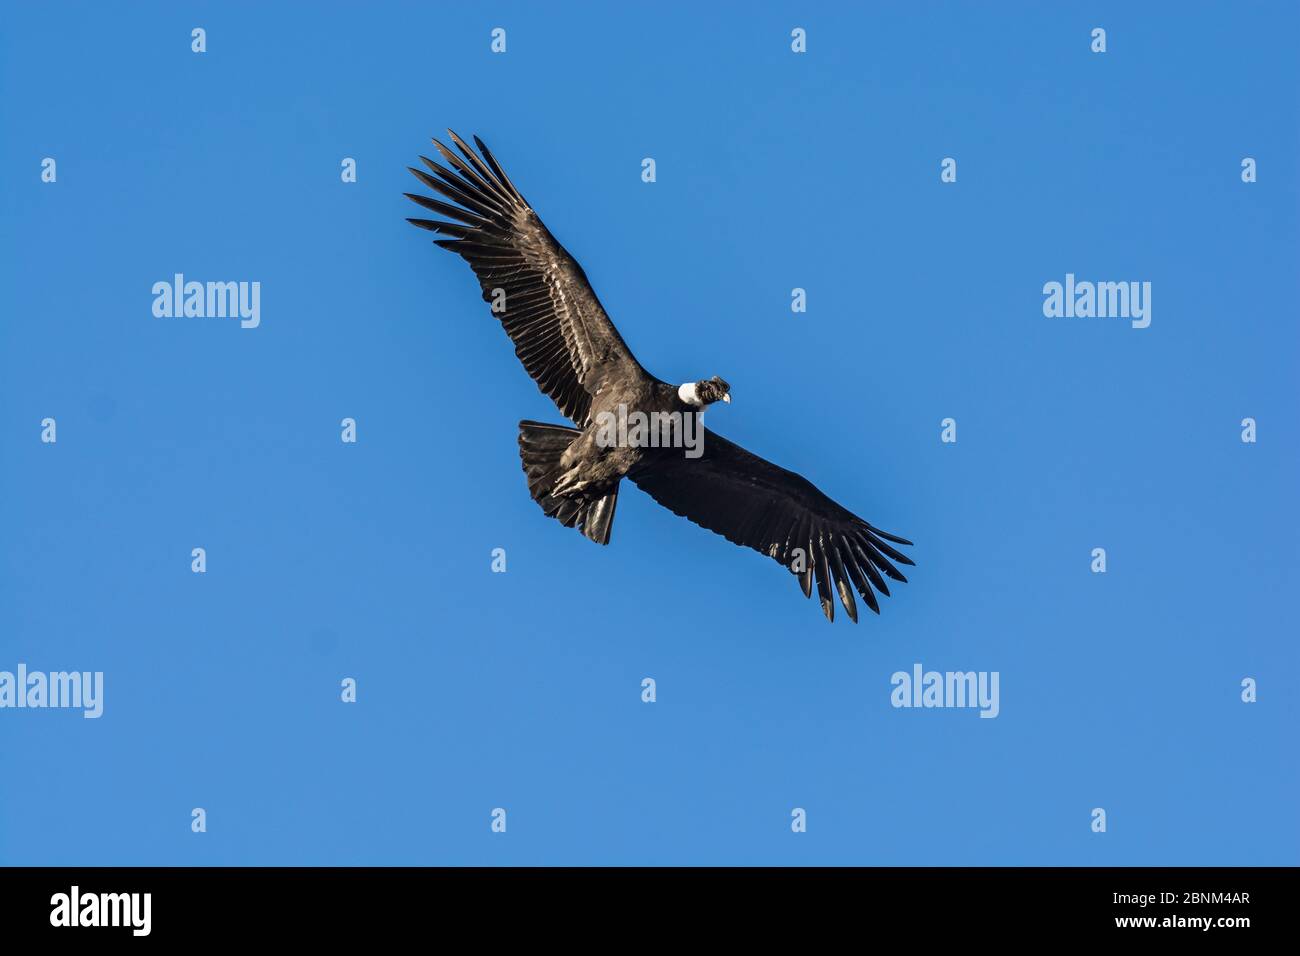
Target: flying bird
pixel 569 346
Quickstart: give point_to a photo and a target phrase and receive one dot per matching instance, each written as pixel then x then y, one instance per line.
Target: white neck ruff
pixel 687 394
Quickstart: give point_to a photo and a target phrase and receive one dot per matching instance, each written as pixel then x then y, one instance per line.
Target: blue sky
pixel 522 690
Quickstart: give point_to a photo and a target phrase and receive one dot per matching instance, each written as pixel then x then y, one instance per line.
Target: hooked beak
pixel 727 398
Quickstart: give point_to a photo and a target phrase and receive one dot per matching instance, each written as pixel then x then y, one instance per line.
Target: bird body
pixel 631 424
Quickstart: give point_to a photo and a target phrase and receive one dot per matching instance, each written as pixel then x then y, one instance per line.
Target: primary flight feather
pixel 567 343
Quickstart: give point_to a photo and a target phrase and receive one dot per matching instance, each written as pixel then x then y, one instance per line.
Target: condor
pixel 576 356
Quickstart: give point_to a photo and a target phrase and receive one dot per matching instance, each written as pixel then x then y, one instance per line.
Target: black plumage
pixel 569 346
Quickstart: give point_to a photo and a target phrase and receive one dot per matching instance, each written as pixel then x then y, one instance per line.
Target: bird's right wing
pixel 756 504
pixel 539 292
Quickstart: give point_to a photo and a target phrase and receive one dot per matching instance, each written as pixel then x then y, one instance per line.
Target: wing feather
pixel 561 333
pixel 756 504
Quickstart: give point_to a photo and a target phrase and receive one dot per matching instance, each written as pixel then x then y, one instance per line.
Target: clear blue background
pixel 522 690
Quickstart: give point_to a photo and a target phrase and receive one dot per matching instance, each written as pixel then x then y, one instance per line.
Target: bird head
pixel 705 393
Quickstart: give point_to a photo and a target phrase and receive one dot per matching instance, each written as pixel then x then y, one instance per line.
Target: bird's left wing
pixel 539 292
pixel 754 503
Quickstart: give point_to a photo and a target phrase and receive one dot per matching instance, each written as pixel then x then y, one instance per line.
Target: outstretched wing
pixel 541 295
pixel 752 502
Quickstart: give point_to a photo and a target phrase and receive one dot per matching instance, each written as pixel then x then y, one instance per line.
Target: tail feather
pixel 540 449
